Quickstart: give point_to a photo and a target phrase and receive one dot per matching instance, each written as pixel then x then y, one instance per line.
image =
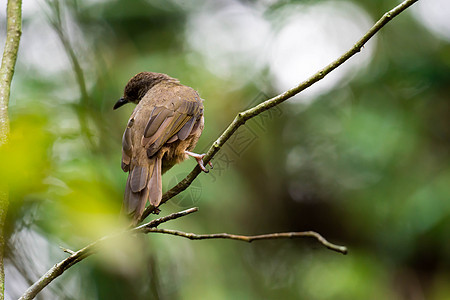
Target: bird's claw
pixel 199 159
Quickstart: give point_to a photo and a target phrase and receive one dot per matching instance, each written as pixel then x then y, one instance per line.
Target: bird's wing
pixel 171 122
pixel 127 146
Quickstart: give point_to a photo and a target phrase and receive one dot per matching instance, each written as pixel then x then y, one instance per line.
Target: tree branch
pixel 244 116
pixel 13 33
pixel 251 238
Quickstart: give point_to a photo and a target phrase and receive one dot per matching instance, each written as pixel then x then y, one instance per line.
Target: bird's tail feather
pixel 144 182
pixel 155 183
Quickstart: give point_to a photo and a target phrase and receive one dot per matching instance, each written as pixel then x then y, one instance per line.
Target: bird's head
pixel 139 85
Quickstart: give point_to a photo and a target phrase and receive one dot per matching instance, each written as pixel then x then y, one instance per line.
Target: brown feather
pixel 154 124
pixel 184 132
pixel 168 128
pixel 139 176
pixel 148 141
pixel 172 139
pixel 155 184
pixel 127 150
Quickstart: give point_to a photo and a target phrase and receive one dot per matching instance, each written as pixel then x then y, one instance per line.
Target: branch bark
pixel 13 33
pixel 239 120
pixel 244 116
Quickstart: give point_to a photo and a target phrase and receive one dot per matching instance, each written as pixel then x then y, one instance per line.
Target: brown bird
pixel 162 130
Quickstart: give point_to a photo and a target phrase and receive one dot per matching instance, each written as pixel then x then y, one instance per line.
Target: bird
pixel 162 131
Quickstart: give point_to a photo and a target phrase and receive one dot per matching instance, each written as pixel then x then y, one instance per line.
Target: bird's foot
pixel 199 159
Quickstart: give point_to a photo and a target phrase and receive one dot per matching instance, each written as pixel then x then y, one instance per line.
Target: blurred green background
pixel 362 158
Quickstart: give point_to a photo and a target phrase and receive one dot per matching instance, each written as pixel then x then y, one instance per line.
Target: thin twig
pixel 156 222
pixel 244 238
pixel 242 117
pixel 67 250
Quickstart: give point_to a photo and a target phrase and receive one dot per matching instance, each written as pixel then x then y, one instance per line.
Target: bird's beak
pixel 119 103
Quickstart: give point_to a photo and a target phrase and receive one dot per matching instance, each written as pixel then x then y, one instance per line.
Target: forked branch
pixel 90 249
pixel 150 227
